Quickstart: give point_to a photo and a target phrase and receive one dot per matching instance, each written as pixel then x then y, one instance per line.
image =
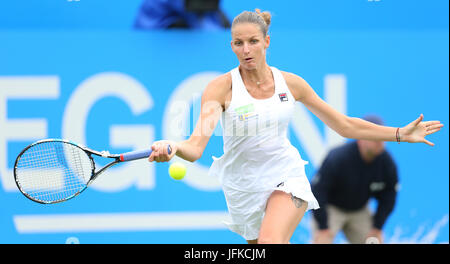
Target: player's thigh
pixel 282 215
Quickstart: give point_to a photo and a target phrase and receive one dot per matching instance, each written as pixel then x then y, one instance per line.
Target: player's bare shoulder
pixel 219 89
pixel 297 85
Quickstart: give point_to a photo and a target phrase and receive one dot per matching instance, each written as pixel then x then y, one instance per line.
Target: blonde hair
pixel 262 19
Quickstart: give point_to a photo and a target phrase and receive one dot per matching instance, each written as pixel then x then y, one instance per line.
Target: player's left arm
pixel 353 127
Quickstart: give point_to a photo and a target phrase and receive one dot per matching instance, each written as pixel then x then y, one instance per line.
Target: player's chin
pixel 248 65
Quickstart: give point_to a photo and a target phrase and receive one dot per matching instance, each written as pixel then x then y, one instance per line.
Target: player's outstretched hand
pixel 160 151
pixel 417 130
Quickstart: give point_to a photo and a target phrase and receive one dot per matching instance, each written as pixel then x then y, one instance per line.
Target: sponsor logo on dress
pixel 283 97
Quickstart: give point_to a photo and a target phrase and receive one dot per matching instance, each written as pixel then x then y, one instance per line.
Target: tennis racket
pixel 56 170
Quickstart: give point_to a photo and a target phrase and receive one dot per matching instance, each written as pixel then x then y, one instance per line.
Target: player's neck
pixel 259 76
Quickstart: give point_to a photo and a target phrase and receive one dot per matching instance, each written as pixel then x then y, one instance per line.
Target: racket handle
pixel 139 154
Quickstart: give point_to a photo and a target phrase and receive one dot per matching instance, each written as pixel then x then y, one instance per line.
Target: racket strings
pixel 53 171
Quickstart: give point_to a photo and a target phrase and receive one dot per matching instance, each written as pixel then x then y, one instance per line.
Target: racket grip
pixel 139 154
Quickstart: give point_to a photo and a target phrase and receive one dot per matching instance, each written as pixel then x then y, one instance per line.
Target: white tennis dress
pixel 258 157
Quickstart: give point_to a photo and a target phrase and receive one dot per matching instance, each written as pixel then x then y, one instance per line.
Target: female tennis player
pixel 262 174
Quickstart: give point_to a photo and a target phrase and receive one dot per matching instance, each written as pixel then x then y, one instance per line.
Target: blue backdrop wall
pixel 77 70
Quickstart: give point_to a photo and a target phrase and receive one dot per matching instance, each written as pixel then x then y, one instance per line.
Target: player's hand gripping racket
pixel 55 170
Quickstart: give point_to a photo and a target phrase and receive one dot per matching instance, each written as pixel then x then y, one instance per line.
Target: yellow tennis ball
pixel 177 171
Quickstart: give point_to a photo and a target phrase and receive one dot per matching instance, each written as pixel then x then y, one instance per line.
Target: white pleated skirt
pixel 246 209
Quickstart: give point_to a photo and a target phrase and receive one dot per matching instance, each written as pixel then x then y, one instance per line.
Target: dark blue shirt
pixel 162 14
pixel 346 181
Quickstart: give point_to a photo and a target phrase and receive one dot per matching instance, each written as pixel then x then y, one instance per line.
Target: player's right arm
pixel 214 101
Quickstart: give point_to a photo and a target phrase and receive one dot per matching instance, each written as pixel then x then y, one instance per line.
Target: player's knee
pixel 271 239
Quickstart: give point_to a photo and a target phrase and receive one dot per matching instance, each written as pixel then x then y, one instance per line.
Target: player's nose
pixel 246 48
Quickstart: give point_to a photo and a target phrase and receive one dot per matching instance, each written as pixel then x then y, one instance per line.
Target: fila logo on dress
pixel 283 97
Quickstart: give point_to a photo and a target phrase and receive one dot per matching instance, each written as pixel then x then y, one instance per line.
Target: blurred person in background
pixel 349 176
pixel 181 14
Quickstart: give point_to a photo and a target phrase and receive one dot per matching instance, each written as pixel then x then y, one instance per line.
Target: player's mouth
pixel 249 59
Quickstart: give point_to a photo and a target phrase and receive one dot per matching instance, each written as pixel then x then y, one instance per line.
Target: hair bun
pixel 265 15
